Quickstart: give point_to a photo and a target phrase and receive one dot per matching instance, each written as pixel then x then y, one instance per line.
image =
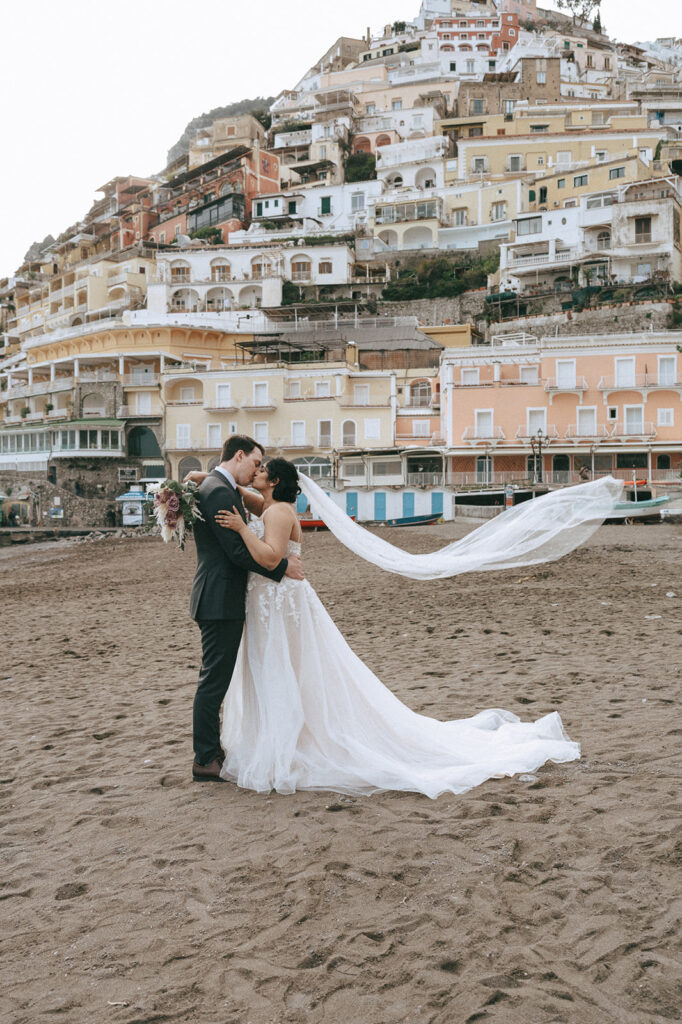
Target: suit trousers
pixel 220 640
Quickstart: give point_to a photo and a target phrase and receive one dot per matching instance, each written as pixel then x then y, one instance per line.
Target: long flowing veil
pixel 540 530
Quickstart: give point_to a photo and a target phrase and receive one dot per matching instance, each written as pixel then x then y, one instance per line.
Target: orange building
pixel 563 409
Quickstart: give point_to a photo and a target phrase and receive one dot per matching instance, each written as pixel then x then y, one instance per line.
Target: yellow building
pixel 304 411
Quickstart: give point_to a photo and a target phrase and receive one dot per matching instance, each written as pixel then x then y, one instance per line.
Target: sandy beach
pixel 131 895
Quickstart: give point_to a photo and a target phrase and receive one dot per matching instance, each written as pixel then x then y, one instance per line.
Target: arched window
pixel 349 434
pixel 179 271
pixel 394 180
pixel 561 469
pixel 362 145
pixel 188 465
pixel 420 394
pixel 662 462
pixel 604 240
pixel 93 404
pixel 301 269
pixel 383 140
pixel 260 267
pixel 220 270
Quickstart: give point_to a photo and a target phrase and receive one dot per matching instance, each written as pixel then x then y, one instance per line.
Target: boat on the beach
pixel 427 520
pixel 315 524
pixel 628 511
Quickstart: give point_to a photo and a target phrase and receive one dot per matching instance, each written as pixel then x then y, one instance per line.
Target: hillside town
pixel 443 269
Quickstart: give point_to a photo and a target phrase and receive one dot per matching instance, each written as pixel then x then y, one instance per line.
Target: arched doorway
pixel 561 469
pixel 484 469
pixel 187 465
pixel 142 444
pixel 662 462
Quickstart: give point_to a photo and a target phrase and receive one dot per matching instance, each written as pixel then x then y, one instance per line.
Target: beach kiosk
pixel 132 507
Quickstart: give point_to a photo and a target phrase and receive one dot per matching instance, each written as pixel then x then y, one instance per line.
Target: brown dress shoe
pixel 207 772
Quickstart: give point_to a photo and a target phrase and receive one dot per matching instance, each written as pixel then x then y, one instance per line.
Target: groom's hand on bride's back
pixel 294 568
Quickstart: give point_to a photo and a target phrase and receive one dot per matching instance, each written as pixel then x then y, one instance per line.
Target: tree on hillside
pixel 581 10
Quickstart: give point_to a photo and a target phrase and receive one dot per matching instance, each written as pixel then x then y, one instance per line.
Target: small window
pixel 612 413
pixel 325 204
pixel 397 105
pixel 325 267
pixel 579 180
pixel 561 183
pixel 541 78
pixel 322 389
pixel 616 172
pixel 666 417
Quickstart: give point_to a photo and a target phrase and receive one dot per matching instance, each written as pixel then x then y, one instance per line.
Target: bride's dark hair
pixel 285 473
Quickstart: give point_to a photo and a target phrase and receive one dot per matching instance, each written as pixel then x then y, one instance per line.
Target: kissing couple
pixel 301 710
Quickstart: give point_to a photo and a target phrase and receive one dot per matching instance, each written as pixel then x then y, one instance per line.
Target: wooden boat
pixel 315 524
pixel 631 510
pixel 428 520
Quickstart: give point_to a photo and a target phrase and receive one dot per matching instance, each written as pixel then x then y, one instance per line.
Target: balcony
pixel 544 259
pixel 215 408
pixel 428 439
pixel 140 380
pixel 350 403
pixel 639 381
pixel 525 433
pixel 580 433
pixel 552 384
pixel 130 412
pixel 259 407
pixel 633 430
pixel 295 442
pixel 424 479
pixel 490 434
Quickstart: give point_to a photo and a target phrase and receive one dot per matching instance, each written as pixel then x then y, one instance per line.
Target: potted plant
pixel 25 411
pixel 49 406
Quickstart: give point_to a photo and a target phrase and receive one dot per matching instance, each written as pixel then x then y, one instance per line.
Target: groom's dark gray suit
pixel 218 604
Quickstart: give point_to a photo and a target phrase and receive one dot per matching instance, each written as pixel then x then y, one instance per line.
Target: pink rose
pixel 173 503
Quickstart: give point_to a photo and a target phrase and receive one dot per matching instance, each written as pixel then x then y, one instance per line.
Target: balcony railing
pixel 483 434
pixel 575 432
pixel 577 384
pixel 424 479
pixel 524 431
pixel 130 412
pixel 633 430
pixel 542 259
pixel 639 380
pixel 211 406
pixel 136 380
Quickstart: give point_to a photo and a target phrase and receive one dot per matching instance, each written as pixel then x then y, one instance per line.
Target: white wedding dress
pixel 304 712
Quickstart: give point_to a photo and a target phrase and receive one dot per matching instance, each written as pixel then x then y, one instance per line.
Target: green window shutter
pixel 531 196
pixel 326 204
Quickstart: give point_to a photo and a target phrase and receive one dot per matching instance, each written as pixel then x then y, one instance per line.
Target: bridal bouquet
pixel 175 509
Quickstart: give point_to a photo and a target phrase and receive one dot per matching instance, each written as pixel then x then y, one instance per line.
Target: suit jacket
pixel 223 561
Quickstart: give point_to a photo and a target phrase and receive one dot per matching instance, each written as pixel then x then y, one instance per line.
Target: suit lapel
pixel 236 496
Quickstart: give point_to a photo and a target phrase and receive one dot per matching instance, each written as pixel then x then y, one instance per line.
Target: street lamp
pixel 538 441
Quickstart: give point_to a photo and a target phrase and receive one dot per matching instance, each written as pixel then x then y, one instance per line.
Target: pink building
pixel 563 409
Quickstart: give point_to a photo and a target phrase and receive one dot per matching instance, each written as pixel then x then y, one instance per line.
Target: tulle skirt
pixel 304 712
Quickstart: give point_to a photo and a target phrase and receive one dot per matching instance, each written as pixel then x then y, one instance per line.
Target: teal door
pixel 352 504
pixel 408 504
pixel 379 505
pixel 437 503
pixel 301 504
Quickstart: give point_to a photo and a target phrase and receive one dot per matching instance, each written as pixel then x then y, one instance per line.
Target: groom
pixel 218 601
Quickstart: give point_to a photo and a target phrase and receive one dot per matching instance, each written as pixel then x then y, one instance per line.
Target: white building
pixel 217 280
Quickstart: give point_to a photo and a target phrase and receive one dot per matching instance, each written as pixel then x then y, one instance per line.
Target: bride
pixel 304 712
